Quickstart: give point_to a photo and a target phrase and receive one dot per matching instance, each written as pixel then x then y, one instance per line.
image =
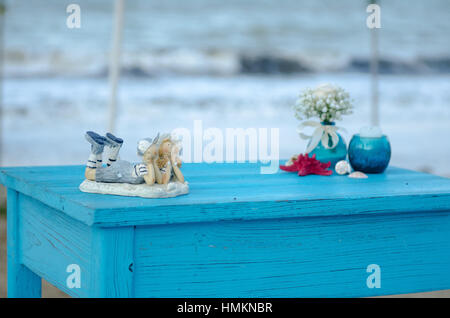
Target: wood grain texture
pixel 112 262
pixel 22 283
pixel 221 192
pixel 51 241
pixel 294 257
pixel 237 234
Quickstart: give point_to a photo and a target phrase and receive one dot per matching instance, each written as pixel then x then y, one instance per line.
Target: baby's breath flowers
pixel 326 102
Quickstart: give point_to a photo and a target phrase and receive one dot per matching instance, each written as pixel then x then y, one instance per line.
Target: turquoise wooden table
pixel 237 234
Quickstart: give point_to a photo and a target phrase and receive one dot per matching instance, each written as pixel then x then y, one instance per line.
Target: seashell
pixel 342 167
pixel 290 162
pixel 358 175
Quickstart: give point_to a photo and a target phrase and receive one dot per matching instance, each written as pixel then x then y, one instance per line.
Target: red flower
pixel 306 165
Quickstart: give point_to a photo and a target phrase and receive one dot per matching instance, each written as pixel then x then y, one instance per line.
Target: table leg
pixel 22 283
pixel 112 262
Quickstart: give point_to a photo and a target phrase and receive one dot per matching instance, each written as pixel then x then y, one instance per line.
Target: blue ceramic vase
pixel 369 154
pixel 334 155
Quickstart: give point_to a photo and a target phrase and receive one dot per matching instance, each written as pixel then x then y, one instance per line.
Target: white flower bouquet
pixel 326 102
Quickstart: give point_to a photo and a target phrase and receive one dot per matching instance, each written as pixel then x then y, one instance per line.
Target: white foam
pixel 51 122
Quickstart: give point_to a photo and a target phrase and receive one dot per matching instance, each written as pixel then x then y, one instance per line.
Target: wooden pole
pixel 2 27
pixel 114 66
pixel 374 113
pixel 2 56
pixel 375 116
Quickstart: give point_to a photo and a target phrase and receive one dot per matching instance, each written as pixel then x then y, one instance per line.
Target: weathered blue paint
pixel 112 262
pixel 22 282
pixel 238 233
pixel 294 257
pixel 51 241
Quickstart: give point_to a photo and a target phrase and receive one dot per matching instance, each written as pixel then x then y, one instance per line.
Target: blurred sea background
pixel 235 63
pixel 231 64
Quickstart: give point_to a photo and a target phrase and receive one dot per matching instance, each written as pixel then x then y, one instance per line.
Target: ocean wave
pixel 210 62
pixel 414 112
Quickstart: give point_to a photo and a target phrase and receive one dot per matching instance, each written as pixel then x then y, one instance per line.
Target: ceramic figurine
pixel 369 151
pixel 167 164
pixel 158 175
pixel 116 171
pixel 327 103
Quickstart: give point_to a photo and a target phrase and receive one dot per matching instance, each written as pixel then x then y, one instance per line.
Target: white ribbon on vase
pixel 322 133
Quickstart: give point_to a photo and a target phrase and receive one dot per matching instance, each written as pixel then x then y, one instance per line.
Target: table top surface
pixel 224 192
